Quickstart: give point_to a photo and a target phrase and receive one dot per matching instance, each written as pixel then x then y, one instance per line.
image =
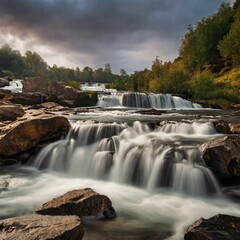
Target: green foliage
pixel 73 84
pixel 34 65
pixel 202 85
pixel 230 45
pixel 11 60
pixel 199 45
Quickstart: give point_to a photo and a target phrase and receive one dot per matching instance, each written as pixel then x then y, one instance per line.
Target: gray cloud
pixel 126 33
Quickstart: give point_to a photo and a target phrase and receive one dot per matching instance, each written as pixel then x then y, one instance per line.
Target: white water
pixel 155 177
pixel 15 86
pixel 143 100
pixel 138 207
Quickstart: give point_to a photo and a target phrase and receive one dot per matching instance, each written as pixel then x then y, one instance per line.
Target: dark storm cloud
pixel 104 29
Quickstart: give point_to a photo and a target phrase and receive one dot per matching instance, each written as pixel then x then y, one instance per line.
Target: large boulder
pixel 29 131
pixel 222 156
pixel 32 227
pixel 82 202
pixel 10 112
pixel 63 94
pixel 4 82
pixel 26 98
pixel 219 227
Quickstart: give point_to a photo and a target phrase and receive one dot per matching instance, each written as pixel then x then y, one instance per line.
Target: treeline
pixel 207 67
pixel 208 51
pixel 32 64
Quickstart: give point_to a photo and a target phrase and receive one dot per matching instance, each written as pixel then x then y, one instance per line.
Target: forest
pixel 207 68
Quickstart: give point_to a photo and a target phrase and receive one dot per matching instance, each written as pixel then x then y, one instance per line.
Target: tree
pixel 11 60
pixel 230 45
pixel 34 65
pixel 200 45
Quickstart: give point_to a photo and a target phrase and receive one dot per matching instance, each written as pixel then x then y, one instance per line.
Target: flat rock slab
pixel 82 202
pixel 219 227
pixel 41 227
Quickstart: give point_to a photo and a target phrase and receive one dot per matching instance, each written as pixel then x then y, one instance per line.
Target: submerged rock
pixel 10 112
pixel 218 227
pixel 41 227
pixel 82 202
pixel 28 132
pixel 222 156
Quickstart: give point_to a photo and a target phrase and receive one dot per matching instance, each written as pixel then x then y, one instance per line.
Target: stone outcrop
pixel 222 156
pixel 32 129
pixel 218 227
pixel 226 128
pixel 82 202
pixel 10 112
pixel 4 82
pixel 41 227
pixel 59 92
pixel 25 98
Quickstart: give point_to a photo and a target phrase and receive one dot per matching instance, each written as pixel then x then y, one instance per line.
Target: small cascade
pixel 145 100
pixel 106 101
pixel 135 155
pixel 15 86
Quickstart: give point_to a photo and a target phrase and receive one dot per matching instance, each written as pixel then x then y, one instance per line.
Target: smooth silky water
pixel 154 176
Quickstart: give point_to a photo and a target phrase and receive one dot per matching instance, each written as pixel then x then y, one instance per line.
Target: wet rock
pixel 222 157
pixel 218 227
pixel 60 93
pixel 26 98
pixel 32 227
pixel 29 131
pixel 222 127
pixel 234 128
pixel 10 112
pixel 4 82
pixel 4 93
pixel 82 202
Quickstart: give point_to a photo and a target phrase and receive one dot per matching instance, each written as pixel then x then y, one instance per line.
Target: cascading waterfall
pixel 166 157
pixel 145 100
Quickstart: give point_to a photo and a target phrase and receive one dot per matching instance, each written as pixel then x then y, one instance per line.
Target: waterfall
pixel 166 157
pixel 145 100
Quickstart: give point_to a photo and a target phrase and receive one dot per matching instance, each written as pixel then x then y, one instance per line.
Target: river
pixel 149 166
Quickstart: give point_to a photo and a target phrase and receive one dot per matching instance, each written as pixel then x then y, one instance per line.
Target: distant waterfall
pixel 167 157
pixel 145 100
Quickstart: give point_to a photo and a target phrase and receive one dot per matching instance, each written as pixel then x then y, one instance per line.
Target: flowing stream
pixel 153 173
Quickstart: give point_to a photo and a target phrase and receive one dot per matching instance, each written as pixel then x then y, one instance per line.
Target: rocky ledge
pixel 219 227
pixel 20 138
pixel 59 92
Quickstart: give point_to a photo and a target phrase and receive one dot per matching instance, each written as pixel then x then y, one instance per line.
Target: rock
pixel 222 157
pixel 30 131
pixel 40 227
pixel 222 127
pixel 4 93
pixel 4 82
pixel 10 112
pixel 82 202
pixel 234 128
pixel 219 227
pixel 26 98
pixel 60 93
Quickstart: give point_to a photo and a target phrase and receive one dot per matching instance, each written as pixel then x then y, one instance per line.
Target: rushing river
pixel 153 173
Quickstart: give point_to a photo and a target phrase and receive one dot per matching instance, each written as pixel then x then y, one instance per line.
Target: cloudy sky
pixel 127 34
